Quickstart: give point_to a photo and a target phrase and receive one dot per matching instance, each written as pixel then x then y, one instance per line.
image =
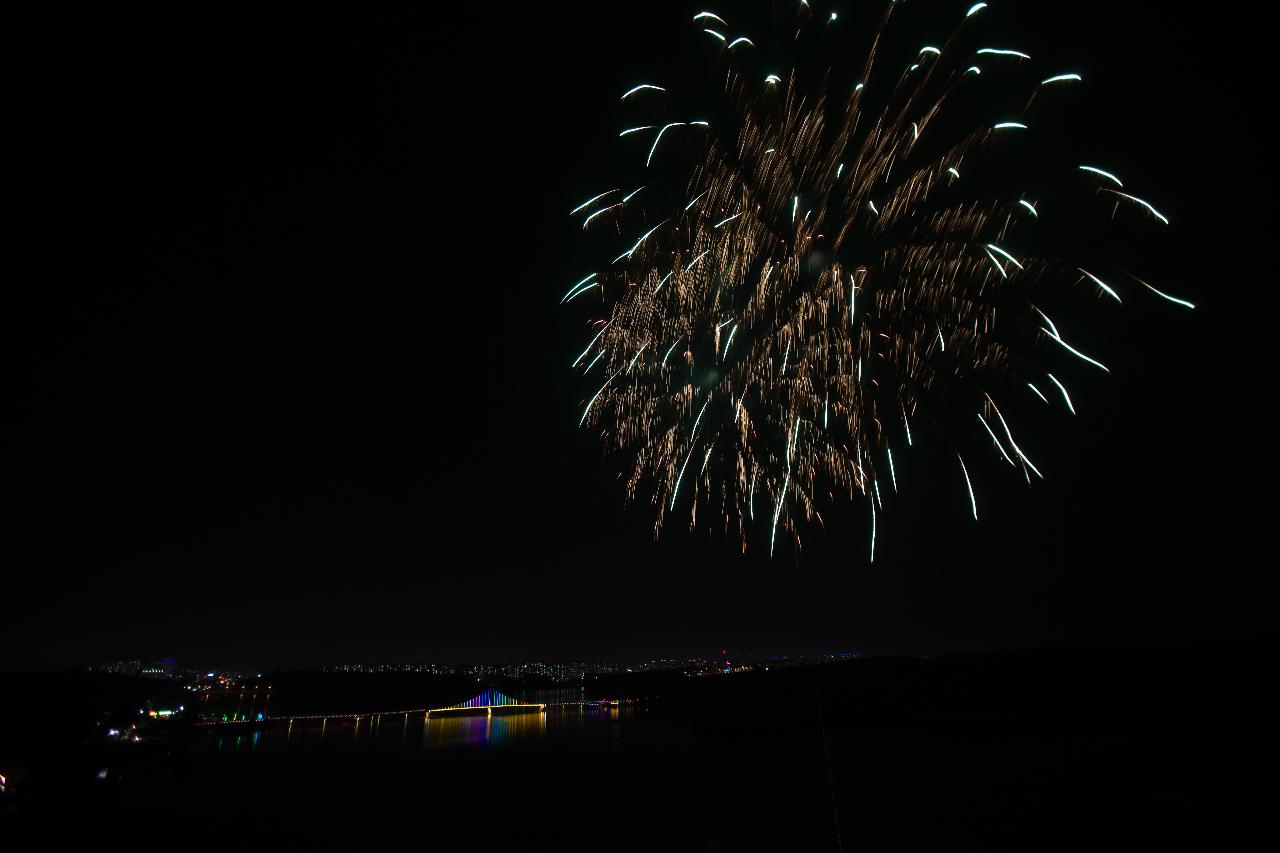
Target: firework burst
pixel 805 280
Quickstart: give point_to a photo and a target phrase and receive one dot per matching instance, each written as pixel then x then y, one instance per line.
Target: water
pixel 631 776
pixel 625 778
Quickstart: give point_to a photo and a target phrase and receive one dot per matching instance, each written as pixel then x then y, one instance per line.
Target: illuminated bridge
pixel 488 701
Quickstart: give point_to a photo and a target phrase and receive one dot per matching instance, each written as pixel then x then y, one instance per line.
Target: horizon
pixel 817 656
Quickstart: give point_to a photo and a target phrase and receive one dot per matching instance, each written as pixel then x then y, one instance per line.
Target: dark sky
pixel 295 384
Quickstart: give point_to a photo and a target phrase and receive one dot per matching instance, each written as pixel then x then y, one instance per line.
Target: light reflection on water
pixel 503 730
pixel 441 732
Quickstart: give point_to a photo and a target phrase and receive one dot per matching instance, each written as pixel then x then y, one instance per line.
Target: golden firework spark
pixel 816 281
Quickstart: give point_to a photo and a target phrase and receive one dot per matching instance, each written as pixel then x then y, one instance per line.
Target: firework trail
pixel 803 278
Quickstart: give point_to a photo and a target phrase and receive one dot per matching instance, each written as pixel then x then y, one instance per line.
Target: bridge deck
pixel 488 708
pixel 291 718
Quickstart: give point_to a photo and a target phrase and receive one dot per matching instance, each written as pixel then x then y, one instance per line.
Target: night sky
pixel 283 288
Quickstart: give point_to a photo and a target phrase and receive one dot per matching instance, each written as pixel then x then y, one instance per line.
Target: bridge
pixel 488 701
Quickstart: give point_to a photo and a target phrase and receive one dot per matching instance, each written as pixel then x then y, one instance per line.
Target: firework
pixel 803 277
